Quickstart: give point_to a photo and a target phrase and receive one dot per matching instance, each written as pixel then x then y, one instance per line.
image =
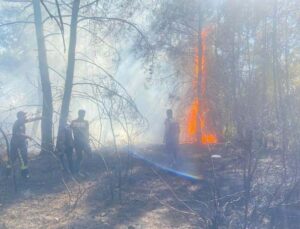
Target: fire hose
pixel 172 171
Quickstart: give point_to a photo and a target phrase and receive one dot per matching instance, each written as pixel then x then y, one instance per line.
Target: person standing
pixel 19 143
pixel 171 136
pixel 80 128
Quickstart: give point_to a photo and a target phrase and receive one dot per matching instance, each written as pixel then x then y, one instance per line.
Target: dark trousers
pixel 18 149
pixel 68 153
pixel 80 148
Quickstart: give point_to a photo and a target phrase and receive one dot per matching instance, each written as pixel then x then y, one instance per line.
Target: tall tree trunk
pixel 46 124
pixel 275 60
pixel 70 68
pixel 199 91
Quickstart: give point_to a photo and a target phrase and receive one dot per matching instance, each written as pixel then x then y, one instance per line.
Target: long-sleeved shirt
pixel 19 131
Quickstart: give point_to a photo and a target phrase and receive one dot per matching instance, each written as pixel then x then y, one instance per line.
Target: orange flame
pixel 197 117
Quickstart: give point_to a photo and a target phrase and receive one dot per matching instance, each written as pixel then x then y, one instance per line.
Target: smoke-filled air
pixel 136 114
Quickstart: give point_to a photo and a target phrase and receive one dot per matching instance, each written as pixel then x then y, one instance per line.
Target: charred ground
pixel 148 196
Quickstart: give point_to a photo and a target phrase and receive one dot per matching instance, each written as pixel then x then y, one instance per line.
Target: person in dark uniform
pixel 171 136
pixel 65 148
pixel 80 128
pixel 19 144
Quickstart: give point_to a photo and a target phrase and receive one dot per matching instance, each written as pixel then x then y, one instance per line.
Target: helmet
pixel 21 114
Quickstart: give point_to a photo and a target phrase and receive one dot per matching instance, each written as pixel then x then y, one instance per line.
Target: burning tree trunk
pixel 199 130
pixel 199 70
pixel 46 124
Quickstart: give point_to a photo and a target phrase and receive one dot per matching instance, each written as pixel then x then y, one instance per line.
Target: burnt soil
pixel 150 197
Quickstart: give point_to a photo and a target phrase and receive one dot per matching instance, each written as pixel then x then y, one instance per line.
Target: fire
pixel 198 113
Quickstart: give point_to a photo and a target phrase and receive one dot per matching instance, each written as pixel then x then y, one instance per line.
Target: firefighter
pixel 80 128
pixel 65 148
pixel 19 143
pixel 171 136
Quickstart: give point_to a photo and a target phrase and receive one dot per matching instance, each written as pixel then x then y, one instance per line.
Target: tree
pixel 70 68
pixel 47 113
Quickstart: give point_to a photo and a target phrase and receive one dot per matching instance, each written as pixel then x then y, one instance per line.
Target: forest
pixel 150 114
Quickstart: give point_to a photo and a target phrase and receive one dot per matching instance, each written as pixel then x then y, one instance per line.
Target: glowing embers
pixel 197 121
